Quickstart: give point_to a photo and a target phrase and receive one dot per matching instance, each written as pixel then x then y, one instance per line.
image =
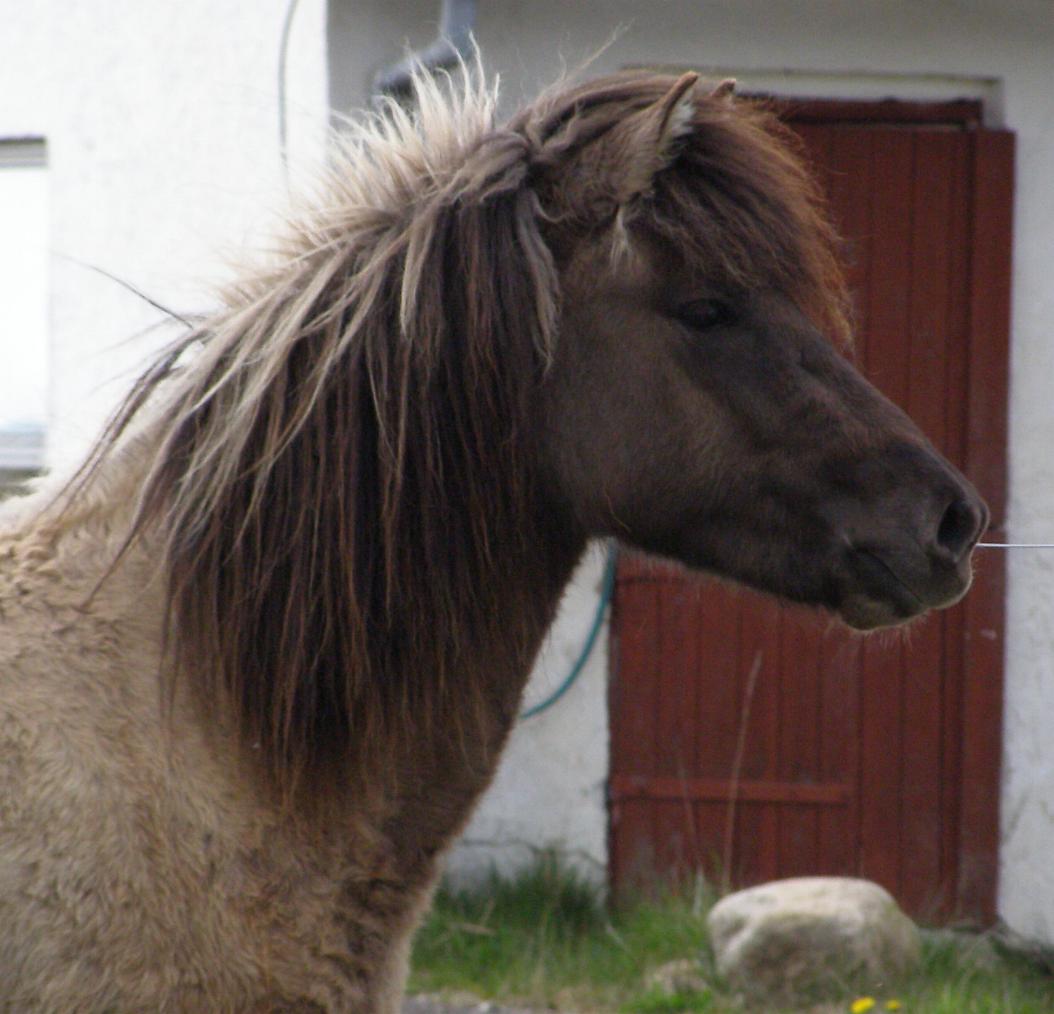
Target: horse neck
pixel 507 618
pixel 448 765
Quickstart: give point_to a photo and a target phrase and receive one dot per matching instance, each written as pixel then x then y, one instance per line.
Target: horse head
pixel 697 404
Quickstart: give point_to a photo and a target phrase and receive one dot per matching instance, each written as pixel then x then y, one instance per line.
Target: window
pixel 23 305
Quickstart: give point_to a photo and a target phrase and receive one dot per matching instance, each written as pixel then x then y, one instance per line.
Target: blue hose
pixel 607 589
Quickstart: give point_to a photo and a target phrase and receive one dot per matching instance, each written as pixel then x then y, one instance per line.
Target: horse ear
pixel 724 91
pixel 649 138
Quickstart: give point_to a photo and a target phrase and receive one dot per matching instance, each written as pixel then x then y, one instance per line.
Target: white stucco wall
pixel 161 121
pixel 161 129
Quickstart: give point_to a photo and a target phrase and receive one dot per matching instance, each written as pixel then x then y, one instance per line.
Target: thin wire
pixel 1015 545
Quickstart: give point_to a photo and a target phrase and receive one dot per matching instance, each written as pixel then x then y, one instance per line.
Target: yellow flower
pixel 862 1004
pixel 894 1005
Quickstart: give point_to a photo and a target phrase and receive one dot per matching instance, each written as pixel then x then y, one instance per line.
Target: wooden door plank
pixel 718 702
pixel 850 195
pixel 798 736
pixel 837 730
pixel 898 112
pixel 676 687
pixel 633 734
pixel 718 721
pixel 921 827
pixel 887 366
pixel 993 208
pixel 676 728
pixel 798 741
pixel 750 862
pixel 989 337
pixel 760 636
pixel 633 684
pixel 794 740
pixel 956 407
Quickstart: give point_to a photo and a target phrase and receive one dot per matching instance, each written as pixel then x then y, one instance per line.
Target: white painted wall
pixel 162 128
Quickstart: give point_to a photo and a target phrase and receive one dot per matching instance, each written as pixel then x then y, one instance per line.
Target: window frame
pixel 22 448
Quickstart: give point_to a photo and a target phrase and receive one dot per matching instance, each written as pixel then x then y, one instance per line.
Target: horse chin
pixel 863 613
pixel 878 597
pixel 862 588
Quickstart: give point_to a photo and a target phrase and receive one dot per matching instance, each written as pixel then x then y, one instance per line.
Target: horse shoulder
pixel 138 864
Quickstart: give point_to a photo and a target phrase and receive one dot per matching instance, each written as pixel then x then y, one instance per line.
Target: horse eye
pixel 701 314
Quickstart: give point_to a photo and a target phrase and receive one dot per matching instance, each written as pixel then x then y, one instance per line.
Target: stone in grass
pixel 811 936
pixel 685 975
pixel 456 1003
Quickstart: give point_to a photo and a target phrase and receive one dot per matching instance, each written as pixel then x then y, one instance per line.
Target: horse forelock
pixel 741 201
pixel 340 480
pixel 736 198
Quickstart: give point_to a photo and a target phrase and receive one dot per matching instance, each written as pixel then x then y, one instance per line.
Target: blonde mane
pixel 338 471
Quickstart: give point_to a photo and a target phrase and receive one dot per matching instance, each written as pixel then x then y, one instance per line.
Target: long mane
pixel 340 456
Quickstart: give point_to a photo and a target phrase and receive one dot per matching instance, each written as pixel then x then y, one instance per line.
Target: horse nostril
pixel 959 529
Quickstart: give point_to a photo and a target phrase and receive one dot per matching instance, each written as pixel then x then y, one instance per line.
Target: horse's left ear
pixel 649 138
pixel 725 90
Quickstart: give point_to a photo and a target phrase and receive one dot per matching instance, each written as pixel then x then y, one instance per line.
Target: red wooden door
pixel 751 740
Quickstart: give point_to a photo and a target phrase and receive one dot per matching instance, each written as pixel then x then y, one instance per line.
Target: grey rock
pixel 811 935
pixel 458 1004
pixel 685 975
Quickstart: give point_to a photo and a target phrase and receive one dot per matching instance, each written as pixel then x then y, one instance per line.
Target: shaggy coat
pixel 259 657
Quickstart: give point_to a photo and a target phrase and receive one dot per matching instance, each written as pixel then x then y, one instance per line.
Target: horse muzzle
pixel 915 555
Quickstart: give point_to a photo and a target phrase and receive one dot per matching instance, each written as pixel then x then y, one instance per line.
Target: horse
pixel 261 653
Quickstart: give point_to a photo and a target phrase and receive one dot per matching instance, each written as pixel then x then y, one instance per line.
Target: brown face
pixel 724 431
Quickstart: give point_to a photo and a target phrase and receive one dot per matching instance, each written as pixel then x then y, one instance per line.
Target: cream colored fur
pixel 136 873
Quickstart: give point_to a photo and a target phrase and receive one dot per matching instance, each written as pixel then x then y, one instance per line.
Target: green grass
pixel 949 982
pixel 547 940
